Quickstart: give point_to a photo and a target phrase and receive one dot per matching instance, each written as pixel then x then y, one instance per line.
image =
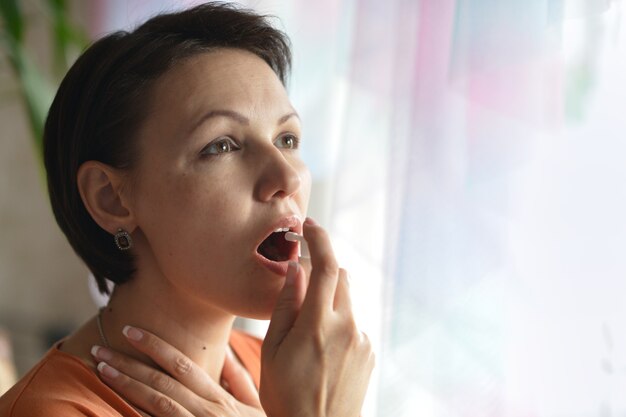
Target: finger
pixel 141 395
pixel 343 302
pixel 286 309
pixel 147 375
pixel 305 264
pixel 174 362
pixel 239 381
pixel 141 412
pixel 324 271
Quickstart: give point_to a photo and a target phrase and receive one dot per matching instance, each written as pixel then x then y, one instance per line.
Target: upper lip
pixel 291 221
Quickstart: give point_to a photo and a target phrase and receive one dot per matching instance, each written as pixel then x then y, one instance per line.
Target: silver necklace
pixel 100 329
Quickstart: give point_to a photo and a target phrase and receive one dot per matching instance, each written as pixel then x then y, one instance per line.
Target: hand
pixel 315 362
pixel 183 389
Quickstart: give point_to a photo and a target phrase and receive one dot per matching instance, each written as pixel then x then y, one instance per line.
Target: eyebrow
pixel 238 117
pixel 288 116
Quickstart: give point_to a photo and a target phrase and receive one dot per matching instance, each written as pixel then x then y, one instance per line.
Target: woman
pixel 173 170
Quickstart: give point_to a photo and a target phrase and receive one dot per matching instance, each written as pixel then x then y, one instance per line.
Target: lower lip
pixel 279 268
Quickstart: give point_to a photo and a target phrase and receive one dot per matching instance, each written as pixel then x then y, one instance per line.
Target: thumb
pixel 286 309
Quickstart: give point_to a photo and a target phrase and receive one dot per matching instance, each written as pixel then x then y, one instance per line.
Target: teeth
pixel 284 229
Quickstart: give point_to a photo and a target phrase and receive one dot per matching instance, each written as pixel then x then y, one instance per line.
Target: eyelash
pixel 232 146
pixel 296 141
pixel 213 149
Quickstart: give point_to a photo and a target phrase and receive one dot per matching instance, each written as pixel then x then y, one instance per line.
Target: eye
pixel 287 142
pixel 219 146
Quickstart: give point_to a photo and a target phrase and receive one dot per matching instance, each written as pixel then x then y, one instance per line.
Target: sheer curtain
pixel 467 158
pixel 503 128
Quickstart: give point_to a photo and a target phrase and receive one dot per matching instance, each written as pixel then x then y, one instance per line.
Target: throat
pixel 200 333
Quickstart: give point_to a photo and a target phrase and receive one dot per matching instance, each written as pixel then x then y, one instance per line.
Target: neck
pixel 197 330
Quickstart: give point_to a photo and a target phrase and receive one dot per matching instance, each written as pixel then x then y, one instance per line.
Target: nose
pixel 279 178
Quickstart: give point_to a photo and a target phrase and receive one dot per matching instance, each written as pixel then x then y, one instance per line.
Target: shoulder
pixel 36 394
pixel 61 385
pixel 44 408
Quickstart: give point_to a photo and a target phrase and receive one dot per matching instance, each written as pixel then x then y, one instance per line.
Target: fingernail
pixel 292 270
pixel 101 353
pixel 108 370
pixel 310 222
pixel 132 333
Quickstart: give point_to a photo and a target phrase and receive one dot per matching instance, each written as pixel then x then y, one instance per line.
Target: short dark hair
pixel 100 106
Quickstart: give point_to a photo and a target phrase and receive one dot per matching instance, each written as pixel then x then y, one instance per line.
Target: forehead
pixel 223 78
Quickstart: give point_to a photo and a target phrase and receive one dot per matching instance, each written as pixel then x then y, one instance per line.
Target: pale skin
pixel 218 163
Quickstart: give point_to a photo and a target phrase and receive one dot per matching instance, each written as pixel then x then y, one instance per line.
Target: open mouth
pixel 276 248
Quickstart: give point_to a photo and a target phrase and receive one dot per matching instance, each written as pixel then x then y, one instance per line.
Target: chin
pixel 258 316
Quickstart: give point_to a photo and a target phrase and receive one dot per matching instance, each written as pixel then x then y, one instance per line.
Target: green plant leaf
pixel 13 19
pixel 37 93
pixel 36 90
pixel 64 34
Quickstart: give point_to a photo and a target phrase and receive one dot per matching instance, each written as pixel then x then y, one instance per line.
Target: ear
pixel 100 187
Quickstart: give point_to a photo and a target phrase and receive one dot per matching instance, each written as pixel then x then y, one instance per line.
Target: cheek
pixel 187 230
pixel 185 194
pixel 192 213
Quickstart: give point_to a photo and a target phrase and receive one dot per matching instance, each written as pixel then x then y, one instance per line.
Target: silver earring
pixel 123 240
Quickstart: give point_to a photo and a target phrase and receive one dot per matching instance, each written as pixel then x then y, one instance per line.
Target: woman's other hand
pixel 315 361
pixel 183 389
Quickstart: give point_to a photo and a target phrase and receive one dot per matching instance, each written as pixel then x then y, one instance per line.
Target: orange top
pixel 62 385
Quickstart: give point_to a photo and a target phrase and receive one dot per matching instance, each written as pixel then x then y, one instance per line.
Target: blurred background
pixel 467 157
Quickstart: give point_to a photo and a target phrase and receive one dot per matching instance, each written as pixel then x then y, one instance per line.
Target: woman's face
pixel 219 170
